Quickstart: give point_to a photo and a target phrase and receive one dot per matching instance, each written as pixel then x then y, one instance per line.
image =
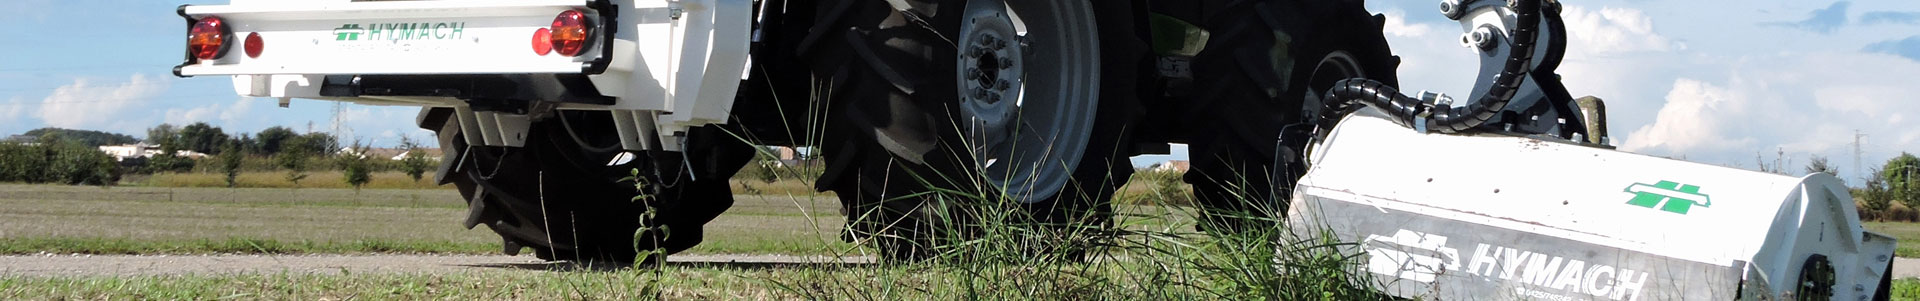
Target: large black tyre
pixel 559 196
pixel 1266 64
pixel 896 157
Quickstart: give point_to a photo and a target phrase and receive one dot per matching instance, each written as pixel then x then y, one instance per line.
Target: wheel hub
pixel 1028 79
pixel 989 67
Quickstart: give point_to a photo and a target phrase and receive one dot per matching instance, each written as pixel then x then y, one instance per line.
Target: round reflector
pixel 542 41
pixel 208 38
pixel 570 33
pixel 253 45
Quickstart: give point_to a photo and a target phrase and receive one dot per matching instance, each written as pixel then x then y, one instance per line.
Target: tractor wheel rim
pixel 1336 66
pixel 1028 79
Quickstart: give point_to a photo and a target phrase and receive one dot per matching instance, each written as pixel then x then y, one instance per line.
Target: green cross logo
pixel 1677 198
pixel 348 32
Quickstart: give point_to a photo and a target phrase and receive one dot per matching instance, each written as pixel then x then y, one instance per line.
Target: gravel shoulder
pixel 48 265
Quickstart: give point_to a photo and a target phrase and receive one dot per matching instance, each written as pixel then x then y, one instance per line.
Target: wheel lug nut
pixel 1004 84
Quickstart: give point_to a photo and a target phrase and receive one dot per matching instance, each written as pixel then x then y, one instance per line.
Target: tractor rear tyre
pixel 945 108
pixel 563 196
pixel 1264 68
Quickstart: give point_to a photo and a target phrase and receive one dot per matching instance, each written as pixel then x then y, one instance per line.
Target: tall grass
pixel 990 251
pixel 987 247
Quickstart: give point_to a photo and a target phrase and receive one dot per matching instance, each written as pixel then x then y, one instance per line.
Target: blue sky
pixel 1716 81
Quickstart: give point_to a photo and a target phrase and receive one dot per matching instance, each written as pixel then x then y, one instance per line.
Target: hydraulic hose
pixel 1446 118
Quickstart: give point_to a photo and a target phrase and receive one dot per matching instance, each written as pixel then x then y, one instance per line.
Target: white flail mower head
pixel 1513 194
pixel 1470 217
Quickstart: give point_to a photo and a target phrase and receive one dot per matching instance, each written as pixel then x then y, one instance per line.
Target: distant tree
pixel 167 137
pixel 294 160
pixel 230 158
pixel 247 143
pixel 50 138
pixel 1819 164
pixel 202 137
pixel 1902 177
pixel 78 164
pixel 273 140
pixel 1876 194
pixel 415 164
pixel 315 143
pixel 57 161
pixel 355 165
pixel 84 137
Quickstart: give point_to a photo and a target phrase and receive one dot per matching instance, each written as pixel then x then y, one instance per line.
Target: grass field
pixel 316 179
pixel 1907 233
pixel 150 220
pixel 145 220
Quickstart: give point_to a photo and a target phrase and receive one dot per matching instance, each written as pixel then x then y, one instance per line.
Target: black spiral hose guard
pixel 1448 119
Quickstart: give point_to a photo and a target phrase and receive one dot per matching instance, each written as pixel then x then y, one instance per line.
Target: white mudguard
pixel 669 64
pixel 1454 217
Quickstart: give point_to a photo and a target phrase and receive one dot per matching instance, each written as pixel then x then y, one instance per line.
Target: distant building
pixel 1171 165
pixel 430 153
pixel 395 154
pixel 142 150
pixel 789 156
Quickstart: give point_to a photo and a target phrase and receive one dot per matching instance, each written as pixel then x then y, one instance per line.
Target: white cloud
pixel 1695 118
pixel 85 104
pixel 1397 25
pixel 1611 31
pixel 383 124
pixel 178 116
pixel 217 114
pixel 1804 104
pixel 1877 102
pixel 12 109
pixel 239 109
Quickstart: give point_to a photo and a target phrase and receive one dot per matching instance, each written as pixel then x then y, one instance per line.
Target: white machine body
pixel 1455 217
pixel 672 64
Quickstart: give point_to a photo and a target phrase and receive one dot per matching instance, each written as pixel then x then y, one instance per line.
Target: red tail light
pixel 208 38
pixel 253 45
pixel 542 41
pixel 570 32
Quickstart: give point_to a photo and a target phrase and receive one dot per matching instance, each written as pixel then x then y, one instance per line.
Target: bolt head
pixel 1451 9
pixel 1481 37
